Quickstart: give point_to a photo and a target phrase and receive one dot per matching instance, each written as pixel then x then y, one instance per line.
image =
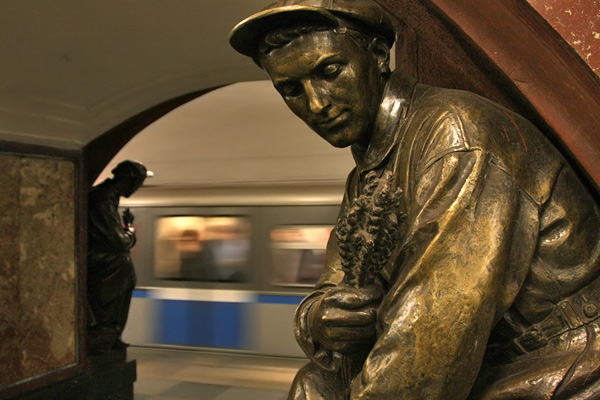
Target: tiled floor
pixel 165 374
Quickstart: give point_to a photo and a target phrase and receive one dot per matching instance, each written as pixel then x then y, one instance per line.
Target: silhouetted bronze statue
pixel 110 273
pixel 485 282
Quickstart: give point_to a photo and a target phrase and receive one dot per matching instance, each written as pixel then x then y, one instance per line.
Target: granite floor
pixel 172 374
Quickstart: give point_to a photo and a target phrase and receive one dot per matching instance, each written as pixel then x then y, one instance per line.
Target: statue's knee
pixel 314 383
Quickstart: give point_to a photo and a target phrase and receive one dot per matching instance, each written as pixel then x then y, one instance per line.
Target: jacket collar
pixel 392 112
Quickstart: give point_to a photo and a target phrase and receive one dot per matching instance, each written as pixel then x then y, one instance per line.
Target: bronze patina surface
pixel 483 278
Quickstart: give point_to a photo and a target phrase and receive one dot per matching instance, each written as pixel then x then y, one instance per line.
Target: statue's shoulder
pixel 104 191
pixel 434 122
pixel 457 120
pixel 461 103
pixel 480 121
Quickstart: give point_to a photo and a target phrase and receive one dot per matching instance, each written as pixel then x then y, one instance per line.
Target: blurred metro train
pixel 225 268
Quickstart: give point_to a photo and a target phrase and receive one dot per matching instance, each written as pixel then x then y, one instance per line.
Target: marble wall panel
pixel 10 363
pixel 38 292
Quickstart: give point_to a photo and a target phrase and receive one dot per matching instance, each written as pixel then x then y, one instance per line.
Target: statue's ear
pixel 381 52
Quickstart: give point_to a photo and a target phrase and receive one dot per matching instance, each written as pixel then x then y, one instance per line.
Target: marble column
pixel 38 328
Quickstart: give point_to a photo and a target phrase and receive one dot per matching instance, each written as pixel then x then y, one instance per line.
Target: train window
pixel 298 254
pixel 214 249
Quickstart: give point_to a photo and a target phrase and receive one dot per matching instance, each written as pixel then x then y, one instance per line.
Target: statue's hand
pixel 128 217
pixel 344 319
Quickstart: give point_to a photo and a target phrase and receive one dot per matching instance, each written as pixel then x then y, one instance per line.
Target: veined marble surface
pixel 578 22
pixel 37 267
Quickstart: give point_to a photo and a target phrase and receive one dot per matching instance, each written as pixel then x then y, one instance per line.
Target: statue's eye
pixel 290 89
pixel 331 70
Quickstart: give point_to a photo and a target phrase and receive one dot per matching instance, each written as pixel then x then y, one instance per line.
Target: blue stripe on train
pixel 140 294
pixel 269 299
pixel 201 323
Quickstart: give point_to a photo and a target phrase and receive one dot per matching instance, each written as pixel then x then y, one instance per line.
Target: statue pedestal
pixel 106 377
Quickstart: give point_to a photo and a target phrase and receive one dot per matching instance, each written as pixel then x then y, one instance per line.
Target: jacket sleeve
pixel 456 274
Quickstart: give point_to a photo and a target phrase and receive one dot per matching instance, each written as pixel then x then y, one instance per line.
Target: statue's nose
pixel 317 99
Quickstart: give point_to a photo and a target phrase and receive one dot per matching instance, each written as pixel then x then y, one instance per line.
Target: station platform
pixel 176 374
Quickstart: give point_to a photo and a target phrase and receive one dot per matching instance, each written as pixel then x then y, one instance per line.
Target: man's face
pixel 331 83
pixel 128 184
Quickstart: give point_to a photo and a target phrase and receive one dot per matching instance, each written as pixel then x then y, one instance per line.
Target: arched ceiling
pixel 71 70
pixel 241 134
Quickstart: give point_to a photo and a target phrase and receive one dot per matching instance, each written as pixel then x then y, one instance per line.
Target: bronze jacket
pixel 110 270
pixel 492 291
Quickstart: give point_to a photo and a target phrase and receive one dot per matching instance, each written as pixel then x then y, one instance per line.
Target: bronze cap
pixel 132 169
pixel 246 35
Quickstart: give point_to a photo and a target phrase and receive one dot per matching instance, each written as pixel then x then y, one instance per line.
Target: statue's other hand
pixel 343 319
pixel 128 217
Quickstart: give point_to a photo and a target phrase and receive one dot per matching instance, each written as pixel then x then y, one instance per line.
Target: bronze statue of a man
pixel 491 289
pixel 110 274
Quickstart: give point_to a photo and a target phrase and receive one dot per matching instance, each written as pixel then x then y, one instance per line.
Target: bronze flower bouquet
pixel 367 234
